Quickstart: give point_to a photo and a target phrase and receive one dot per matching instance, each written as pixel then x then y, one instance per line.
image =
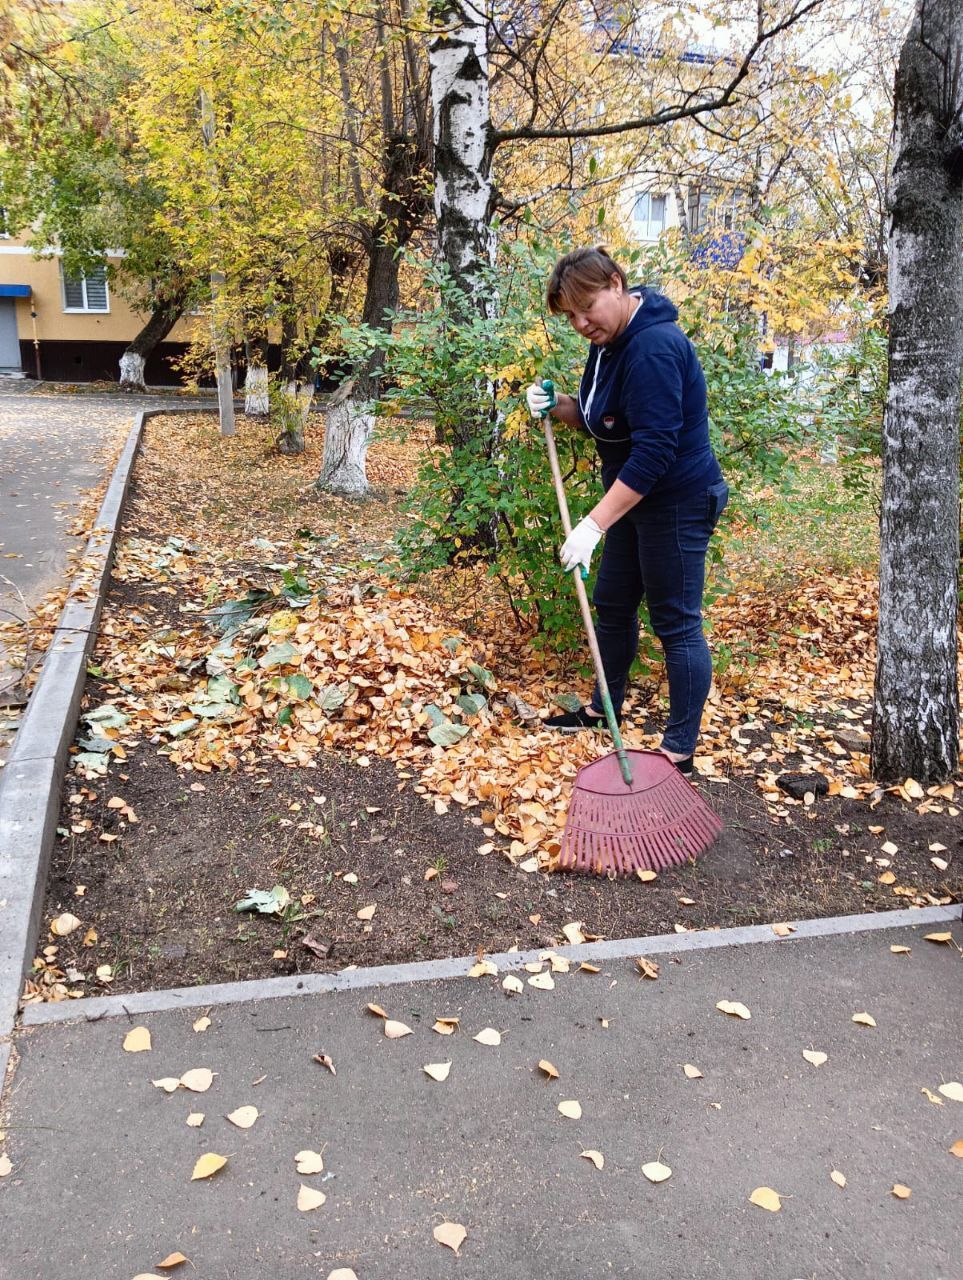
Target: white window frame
pixel 85 309
pixel 645 227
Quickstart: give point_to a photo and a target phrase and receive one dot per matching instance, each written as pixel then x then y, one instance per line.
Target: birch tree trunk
pixel 463 146
pixel 916 709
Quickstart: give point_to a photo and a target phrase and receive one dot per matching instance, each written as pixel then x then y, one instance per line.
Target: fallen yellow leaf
pixel 195 1119
pixel 899 950
pixel 377 1010
pixel 864 1019
pixel 838 1178
pixel 901 1192
pixel 550 1071
pixel 783 930
pixel 573 933
pixel 815 1057
pixel 438 1070
pixel 887 878
pixel 342 1273
pixel 766 1198
pixel 367 912
pixel 395 1030
pixel 595 1156
pixel 585 967
pixel 309 1198
pixel 307 1162
pixel 542 982
pixel 451 1234
pixel 571 1109
pixel 483 969
pixel 198 1080
pixel 932 1096
pixel 172 1260
pixel 6 1166
pixel 201 1024
pixel 207 1165
pixel 952 1090
pixel 647 876
pixel 938 937
pixel 656 1172
pixel 243 1117
pixel 445 1026
pixel 647 968
pixel 137 1040
pixel 512 985
pixel 489 1036
pixel 64 924
pixel 733 1008
pixel 691 1072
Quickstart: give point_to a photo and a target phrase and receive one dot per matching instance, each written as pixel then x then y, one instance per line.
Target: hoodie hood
pixel 653 308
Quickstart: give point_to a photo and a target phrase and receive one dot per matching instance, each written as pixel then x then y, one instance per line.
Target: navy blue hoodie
pixel 643 400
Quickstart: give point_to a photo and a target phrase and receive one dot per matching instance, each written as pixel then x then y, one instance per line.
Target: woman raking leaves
pixel 642 398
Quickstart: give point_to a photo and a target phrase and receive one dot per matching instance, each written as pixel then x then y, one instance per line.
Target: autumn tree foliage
pixel 916 718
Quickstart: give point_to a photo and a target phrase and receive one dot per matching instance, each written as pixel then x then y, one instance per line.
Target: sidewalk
pixel 52 449
pixel 102 1160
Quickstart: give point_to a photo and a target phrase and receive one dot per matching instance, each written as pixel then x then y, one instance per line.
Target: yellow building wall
pixel 119 324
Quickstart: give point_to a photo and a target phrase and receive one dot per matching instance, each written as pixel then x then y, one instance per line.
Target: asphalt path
pixel 101 1159
pixel 54 448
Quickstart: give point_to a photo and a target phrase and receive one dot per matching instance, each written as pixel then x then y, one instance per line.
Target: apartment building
pixel 67 329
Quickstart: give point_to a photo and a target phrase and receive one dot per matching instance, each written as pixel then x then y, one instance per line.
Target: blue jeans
pixel 659 553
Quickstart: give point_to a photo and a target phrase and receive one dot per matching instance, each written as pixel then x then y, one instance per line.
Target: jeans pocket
pixel 717 496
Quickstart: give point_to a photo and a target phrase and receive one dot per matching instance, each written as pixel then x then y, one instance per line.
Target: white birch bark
pixel 458 59
pixel 256 391
pixel 348 427
pixel 916 721
pixel 132 366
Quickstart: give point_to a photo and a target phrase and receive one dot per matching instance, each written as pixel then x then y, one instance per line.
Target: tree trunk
pixel 916 707
pixel 462 130
pixel 256 403
pixel 349 420
pixel 296 378
pixel 348 427
pixel 166 313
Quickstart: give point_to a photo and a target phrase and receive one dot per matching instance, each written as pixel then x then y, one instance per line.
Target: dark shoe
pixel 684 766
pixel 573 721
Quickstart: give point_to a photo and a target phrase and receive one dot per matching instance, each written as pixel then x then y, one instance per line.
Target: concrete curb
pixel 96 1007
pixel 30 781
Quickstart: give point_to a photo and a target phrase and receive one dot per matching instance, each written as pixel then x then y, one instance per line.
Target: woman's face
pixel 601 318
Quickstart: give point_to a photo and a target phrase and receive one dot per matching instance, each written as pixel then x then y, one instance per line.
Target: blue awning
pixel 14 291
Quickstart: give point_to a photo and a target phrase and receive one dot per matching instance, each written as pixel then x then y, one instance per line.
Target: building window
pixel 648 215
pixel 86 293
pixel 712 209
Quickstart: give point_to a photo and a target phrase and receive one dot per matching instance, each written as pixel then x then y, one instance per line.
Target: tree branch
pixel 667 115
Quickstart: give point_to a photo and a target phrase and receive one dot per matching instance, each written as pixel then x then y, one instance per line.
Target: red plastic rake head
pixel 615 829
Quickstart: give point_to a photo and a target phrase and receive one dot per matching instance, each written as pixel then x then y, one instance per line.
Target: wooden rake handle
pixel 583 600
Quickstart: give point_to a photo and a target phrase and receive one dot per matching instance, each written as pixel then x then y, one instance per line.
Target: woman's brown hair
pixel 579 276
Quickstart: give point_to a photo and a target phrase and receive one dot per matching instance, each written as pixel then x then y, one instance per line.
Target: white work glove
pixel 578 546
pixel 540 400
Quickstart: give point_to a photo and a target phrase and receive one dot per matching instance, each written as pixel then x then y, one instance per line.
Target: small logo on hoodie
pixel 608 423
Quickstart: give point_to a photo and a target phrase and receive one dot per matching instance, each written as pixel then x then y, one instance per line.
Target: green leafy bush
pixel 485 492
